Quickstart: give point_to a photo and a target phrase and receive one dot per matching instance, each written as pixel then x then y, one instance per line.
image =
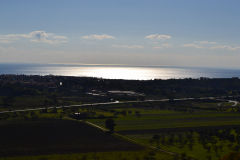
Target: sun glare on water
pixel 128 73
pixel 114 73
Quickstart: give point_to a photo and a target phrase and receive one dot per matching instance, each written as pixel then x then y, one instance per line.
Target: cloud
pixel 227 47
pixel 9 38
pixel 128 46
pixel 158 37
pixel 98 37
pixel 2 49
pixel 205 42
pixel 164 45
pixel 42 36
pixel 6 50
pixel 192 45
pixel 35 36
pixel 4 40
pixel 211 45
pixel 200 44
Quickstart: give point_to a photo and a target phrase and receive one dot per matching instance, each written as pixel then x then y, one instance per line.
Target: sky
pixel 132 32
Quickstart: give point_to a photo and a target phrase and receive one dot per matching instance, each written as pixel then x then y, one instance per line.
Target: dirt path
pixel 130 139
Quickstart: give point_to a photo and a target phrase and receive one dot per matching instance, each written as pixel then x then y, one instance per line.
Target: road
pixel 122 102
pixel 235 103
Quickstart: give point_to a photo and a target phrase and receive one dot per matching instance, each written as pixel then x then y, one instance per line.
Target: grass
pixel 72 139
pixel 56 137
pixel 115 155
pixel 153 120
pixel 198 151
pixel 158 120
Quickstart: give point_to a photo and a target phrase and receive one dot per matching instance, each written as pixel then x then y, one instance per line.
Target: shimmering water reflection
pixel 146 73
pixel 119 72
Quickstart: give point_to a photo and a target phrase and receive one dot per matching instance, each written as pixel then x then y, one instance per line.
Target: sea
pixel 119 71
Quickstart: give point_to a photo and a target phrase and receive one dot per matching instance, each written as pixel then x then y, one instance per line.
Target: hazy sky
pixel 134 32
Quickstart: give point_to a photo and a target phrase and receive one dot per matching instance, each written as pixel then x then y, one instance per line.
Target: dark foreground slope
pixel 56 137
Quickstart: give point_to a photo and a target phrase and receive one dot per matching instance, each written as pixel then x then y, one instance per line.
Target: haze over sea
pixel 118 71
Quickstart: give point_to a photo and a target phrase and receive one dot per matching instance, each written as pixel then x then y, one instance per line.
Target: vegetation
pixel 53 136
pixel 232 156
pixel 116 155
pixel 110 124
pixel 22 91
pixel 177 128
pixel 205 132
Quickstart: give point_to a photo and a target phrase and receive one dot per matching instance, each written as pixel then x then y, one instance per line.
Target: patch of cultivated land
pixel 173 120
pixel 56 137
pixel 202 134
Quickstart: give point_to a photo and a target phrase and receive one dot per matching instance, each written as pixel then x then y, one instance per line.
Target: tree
pixel 110 124
pixel 209 157
pixel 6 101
pixel 34 116
pixel 156 139
pixel 137 113
pixel 124 112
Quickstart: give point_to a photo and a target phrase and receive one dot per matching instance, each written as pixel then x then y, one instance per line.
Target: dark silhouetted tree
pixel 110 124
pixel 156 139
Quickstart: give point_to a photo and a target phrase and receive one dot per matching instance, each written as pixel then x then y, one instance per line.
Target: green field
pixel 181 132
pixel 156 119
pixel 189 129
